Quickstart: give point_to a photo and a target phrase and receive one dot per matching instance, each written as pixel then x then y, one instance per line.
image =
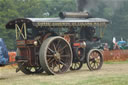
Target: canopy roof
pixel 40 22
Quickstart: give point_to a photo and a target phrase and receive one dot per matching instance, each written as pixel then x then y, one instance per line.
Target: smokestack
pixel 74 15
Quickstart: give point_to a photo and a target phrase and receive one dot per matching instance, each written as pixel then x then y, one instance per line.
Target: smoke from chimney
pixel 82 4
pixel 87 5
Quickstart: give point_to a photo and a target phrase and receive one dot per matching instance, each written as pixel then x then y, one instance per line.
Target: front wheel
pixel 94 59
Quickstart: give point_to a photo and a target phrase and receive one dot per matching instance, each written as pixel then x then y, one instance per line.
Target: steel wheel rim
pixel 56 56
pixel 57 60
pixel 95 60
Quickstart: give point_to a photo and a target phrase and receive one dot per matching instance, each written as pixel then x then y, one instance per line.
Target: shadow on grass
pixel 68 72
pixel 3 78
pixel 75 71
pixel 21 75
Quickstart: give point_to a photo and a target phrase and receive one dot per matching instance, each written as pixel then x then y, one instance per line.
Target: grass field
pixel 110 74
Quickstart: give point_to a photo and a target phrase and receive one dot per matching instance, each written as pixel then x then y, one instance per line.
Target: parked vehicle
pixel 4 58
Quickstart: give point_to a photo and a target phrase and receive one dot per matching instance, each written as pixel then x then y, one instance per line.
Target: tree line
pixel 12 9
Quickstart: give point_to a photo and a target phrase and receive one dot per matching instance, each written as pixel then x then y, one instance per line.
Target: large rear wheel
pixel 55 55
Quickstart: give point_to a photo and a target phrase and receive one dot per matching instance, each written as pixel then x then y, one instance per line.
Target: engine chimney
pixel 63 15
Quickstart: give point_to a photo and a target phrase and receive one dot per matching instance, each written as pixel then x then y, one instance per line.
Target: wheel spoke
pixel 51 61
pixel 93 65
pixel 63 63
pixel 97 54
pixel 63 58
pixel 48 59
pixel 51 50
pixel 53 66
pixel 75 66
pixel 97 65
pixel 65 55
pixel 50 55
pixel 54 47
pixel 62 52
pixel 91 59
pixel 36 69
pixel 58 43
pixel 97 61
pixel 91 56
pixel 58 48
pixel 30 68
pixel 63 48
pixel 78 64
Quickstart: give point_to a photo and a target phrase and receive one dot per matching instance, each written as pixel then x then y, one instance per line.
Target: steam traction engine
pixel 55 45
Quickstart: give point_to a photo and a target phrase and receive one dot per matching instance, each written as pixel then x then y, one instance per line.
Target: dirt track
pixel 9 77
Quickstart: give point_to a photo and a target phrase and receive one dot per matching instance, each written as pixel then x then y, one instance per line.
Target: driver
pixel 87 33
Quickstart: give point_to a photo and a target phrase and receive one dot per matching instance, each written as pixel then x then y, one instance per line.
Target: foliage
pixel 11 9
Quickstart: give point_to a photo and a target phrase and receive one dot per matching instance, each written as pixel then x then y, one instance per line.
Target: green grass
pixel 112 73
pixel 105 80
pixel 116 62
pixel 90 80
